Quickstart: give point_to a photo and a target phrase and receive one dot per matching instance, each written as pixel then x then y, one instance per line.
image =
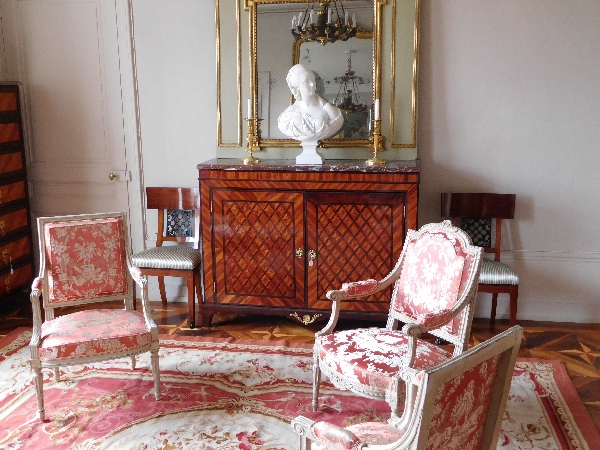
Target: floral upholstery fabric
pixel 360 287
pixel 93 333
pixel 373 433
pixel 85 259
pixel 431 276
pixel 371 356
pixel 460 408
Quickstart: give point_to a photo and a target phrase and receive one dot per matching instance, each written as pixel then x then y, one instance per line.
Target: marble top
pixel 340 165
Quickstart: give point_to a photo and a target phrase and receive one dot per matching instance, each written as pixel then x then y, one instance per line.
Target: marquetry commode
pixel 277 236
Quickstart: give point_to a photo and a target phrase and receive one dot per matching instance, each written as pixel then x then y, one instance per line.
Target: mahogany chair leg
pixel 191 300
pixel 494 305
pixel 161 288
pixel 514 294
pixel 198 289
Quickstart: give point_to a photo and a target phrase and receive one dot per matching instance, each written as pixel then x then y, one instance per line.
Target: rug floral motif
pixel 228 394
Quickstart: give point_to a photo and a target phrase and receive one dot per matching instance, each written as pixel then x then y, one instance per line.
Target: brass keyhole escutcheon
pixel 299 252
pixel 111 176
pixel 312 254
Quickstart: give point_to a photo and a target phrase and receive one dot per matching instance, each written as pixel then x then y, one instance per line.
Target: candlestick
pixel 249 109
pixel 253 141
pixel 376 145
pixel 376 109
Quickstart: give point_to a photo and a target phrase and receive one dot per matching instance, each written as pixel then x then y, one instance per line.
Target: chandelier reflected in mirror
pixel 348 97
pixel 329 23
pixel 357 121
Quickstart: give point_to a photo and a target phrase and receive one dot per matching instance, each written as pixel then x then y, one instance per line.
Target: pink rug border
pixel 565 385
pixel 568 391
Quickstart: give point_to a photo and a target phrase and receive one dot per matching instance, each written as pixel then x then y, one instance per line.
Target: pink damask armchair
pixel 435 290
pixel 85 259
pixel 458 404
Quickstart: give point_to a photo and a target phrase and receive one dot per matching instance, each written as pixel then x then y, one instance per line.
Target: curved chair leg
pixel 191 285
pixel 316 382
pixel 155 372
pixel 494 305
pixel 39 391
pixel 161 288
pixel 133 362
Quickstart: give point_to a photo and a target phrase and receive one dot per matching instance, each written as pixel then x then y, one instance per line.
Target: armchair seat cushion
pixel 93 333
pixel 496 272
pixel 168 257
pixel 372 356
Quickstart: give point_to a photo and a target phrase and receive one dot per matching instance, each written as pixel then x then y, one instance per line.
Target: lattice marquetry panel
pixel 258 242
pixel 354 243
pixel 356 237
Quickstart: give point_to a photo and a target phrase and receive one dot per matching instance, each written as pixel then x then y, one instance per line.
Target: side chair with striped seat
pixel 178 221
pixel 474 213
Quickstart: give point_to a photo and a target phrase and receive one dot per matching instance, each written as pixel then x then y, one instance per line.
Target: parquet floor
pixel 576 345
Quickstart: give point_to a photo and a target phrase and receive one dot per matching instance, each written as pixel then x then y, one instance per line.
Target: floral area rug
pixel 231 394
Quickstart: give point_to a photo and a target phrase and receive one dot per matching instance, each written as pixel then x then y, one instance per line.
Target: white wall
pixel 509 101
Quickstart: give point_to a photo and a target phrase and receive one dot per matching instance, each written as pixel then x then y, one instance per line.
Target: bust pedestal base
pixel 309 154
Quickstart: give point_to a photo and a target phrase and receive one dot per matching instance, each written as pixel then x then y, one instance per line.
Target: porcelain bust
pixel 310 118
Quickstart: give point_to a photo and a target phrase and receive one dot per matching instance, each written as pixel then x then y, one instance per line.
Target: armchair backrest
pixel 178 213
pixel 439 269
pixel 461 402
pixel 84 259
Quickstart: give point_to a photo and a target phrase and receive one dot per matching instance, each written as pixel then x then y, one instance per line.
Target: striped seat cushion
pixel 495 272
pixel 169 257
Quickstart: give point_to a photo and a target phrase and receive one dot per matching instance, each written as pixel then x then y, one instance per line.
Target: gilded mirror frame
pixel 395 61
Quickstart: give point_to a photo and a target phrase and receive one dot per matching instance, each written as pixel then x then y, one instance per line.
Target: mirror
pixel 277 51
pixel 255 35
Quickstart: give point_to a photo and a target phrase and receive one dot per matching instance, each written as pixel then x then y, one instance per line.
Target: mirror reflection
pixel 343 69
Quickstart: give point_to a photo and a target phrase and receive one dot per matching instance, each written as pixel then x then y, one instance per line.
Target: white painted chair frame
pixel 422 387
pixel 40 287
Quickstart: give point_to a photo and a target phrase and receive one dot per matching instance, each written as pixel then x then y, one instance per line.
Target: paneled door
pixel 72 58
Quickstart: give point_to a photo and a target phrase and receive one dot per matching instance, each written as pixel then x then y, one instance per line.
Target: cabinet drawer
pixel 12 192
pixel 10 162
pixel 20 278
pixel 14 250
pixel 13 221
pixel 9 132
pixel 8 101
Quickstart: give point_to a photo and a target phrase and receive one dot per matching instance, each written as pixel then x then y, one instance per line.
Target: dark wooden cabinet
pixel 16 253
pixel 277 236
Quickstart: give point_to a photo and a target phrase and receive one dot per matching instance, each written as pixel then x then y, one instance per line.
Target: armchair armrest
pixel 324 433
